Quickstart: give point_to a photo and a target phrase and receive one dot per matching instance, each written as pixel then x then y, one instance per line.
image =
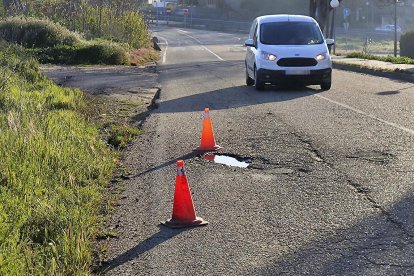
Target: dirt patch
pixel 118 96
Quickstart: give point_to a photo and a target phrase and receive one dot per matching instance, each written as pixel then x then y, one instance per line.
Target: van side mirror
pixel 249 43
pixel 330 41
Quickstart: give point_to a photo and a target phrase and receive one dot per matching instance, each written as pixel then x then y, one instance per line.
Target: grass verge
pixel 347 45
pixel 53 173
pixel 395 60
pixel 115 119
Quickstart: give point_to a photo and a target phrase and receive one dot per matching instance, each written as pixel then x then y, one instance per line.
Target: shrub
pixel 23 64
pixel 101 53
pixel 143 56
pixel 52 43
pixel 406 44
pixel 36 33
pixel 87 53
pixel 61 54
pixel 133 30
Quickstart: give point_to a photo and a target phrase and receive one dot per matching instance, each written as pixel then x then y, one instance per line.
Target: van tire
pixel 249 80
pixel 258 84
pixel 326 84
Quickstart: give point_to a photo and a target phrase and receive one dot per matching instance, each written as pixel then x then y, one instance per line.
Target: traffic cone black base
pixel 180 224
pixel 214 148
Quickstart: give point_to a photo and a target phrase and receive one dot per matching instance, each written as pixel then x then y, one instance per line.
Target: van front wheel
pixel 326 84
pixel 249 80
pixel 258 84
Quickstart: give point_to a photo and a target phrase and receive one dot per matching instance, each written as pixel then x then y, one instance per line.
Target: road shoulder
pixel 403 72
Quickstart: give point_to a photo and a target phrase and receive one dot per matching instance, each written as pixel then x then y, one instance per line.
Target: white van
pixel 287 48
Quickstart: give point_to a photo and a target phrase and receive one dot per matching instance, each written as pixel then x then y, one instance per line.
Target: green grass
pixel 53 173
pixel 121 135
pixel 345 45
pixel 115 118
pixel 395 60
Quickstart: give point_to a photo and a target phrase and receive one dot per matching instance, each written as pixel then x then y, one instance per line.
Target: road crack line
pixel 316 155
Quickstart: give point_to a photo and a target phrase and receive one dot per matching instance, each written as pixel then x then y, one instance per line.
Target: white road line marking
pixel 405 129
pixel 164 55
pixel 207 49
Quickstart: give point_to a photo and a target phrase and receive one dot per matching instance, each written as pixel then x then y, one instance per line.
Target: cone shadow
pixel 158 238
pixel 168 163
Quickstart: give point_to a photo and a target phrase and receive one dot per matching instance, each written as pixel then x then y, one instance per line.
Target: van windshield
pixel 290 33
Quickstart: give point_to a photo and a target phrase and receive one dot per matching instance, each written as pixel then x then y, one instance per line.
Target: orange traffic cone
pixel 208 143
pixel 183 214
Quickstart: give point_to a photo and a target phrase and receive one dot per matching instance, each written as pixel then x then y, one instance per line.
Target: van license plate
pixel 297 72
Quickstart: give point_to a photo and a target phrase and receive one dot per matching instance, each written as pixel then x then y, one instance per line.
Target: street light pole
pixel 334 4
pixel 156 11
pixel 333 30
pixel 395 27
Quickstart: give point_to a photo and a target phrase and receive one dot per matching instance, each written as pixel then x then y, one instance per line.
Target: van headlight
pixel 268 56
pixel 321 56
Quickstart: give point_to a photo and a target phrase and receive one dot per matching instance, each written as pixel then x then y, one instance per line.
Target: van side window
pixel 252 29
pixel 255 35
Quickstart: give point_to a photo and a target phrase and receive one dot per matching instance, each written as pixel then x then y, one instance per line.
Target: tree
pixel 14 6
pixel 252 8
pixel 320 10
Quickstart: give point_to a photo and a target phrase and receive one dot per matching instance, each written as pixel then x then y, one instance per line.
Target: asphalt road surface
pixel 329 190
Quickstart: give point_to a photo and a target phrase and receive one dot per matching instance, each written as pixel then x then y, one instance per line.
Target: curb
pixel 374 71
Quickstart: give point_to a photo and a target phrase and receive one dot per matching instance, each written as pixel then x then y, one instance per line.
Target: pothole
pixel 232 161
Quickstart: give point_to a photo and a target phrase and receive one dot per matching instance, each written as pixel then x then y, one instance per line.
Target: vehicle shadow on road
pixel 234 97
pixel 150 243
pixel 380 244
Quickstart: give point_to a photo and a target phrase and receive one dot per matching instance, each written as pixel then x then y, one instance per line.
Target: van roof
pixel 285 18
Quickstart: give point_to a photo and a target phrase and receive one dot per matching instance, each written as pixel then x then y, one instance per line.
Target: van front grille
pixel 297 62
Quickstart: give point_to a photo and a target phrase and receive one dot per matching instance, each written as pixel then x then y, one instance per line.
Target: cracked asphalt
pixel 329 190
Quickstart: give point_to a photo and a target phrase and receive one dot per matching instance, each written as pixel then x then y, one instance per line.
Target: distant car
pixel 388 28
pixel 289 48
